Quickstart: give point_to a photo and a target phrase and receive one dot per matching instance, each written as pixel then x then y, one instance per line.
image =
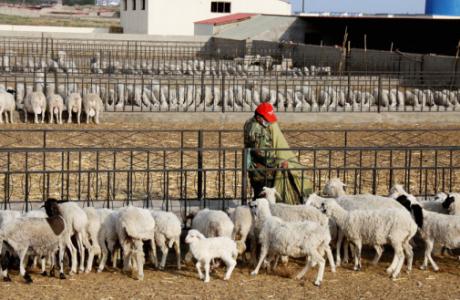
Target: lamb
pixel 55 107
pixel 167 233
pixel 35 102
pixel 73 104
pixel 205 249
pixel 42 236
pixel 434 227
pixel 436 205
pixel 7 105
pixel 134 225
pixel 295 239
pixel 376 228
pixel 93 107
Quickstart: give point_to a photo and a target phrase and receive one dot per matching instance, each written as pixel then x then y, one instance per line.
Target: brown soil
pixel 370 283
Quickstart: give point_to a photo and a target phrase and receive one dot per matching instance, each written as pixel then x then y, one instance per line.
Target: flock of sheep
pixel 311 231
pixel 38 97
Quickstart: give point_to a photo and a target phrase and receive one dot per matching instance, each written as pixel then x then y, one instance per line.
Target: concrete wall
pixel 134 21
pixel 176 17
pixel 24 28
pixel 203 29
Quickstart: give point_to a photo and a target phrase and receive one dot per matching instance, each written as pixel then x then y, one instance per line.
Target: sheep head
pixel 334 188
pixel 193 235
pixel 270 194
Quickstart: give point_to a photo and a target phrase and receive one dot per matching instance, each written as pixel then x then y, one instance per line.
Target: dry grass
pixel 57 21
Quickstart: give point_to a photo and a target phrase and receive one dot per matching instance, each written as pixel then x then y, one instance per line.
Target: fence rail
pixel 215 177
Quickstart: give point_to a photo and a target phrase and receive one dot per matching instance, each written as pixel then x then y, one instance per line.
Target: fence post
pixel 244 175
pixel 200 165
pixel 222 93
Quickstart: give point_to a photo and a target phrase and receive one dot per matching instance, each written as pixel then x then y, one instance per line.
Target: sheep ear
pixel 418 214
pixel 448 202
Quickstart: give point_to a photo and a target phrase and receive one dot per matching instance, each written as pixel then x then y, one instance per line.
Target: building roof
pixel 375 16
pixel 226 19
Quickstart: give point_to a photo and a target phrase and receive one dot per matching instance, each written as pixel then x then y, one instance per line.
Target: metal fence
pixel 350 93
pixel 178 178
pixel 222 138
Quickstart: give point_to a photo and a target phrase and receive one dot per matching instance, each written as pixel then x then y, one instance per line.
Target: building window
pixel 125 4
pixel 220 7
pixel 134 4
pixel 143 4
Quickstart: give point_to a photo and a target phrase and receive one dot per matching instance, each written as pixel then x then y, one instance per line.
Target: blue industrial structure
pixel 443 7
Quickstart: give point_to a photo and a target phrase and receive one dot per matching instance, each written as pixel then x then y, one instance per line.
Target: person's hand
pixel 284 164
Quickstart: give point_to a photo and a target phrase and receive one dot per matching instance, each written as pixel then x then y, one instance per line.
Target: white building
pixel 177 17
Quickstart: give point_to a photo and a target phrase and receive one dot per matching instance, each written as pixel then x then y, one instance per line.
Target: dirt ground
pixel 370 283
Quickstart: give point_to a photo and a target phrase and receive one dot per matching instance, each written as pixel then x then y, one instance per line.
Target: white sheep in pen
pixel 73 104
pixel 206 249
pixel 41 236
pixel 243 228
pixel 438 205
pixel 434 228
pixel 8 216
pixel 213 223
pixel 55 104
pixel 375 228
pixel 93 107
pixel 35 102
pixel 335 188
pixel 7 105
pixel 294 239
pixel 135 225
pixel 167 234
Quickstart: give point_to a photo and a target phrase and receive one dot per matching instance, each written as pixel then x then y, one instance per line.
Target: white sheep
pixel 167 234
pixel 134 225
pixel 450 202
pixel 8 216
pixel 55 107
pixel 435 205
pixel 243 227
pixel 375 228
pixel 73 104
pixel 7 105
pixel 205 249
pixel 35 102
pixel 294 239
pixel 434 228
pixel 41 236
pixel 92 231
pixel 213 223
pixel 93 107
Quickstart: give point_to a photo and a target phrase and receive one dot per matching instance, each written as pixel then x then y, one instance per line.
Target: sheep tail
pixel 171 243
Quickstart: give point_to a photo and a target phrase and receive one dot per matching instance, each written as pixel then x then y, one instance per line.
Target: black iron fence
pixel 209 177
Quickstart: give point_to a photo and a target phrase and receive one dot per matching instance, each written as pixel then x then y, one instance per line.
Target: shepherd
pixel 270 162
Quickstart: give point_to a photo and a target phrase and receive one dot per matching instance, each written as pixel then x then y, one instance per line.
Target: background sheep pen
pixel 177 169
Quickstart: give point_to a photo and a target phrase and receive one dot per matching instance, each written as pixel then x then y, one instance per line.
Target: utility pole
pixel 303 6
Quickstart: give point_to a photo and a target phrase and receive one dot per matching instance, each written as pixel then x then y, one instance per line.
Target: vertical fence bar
pixel 200 165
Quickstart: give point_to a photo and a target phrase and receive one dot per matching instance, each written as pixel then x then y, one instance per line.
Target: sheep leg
pixel 346 246
pixel 153 254
pixel 198 268
pixel 104 255
pixel 96 118
pixel 378 254
pixel 78 116
pixel 357 255
pixel 428 251
pixel 11 117
pixel 178 257
pixel 318 259
pixel 73 253
pixel 305 269
pixel 35 118
pixel 43 266
pixel 161 242
pixel 330 258
pixel 399 253
pixel 43 116
pixel 230 263
pixel 207 266
pixel 81 250
pixel 61 261
pixel 338 247
pixel 126 256
pixel 263 254
pixel 139 256
pixel 51 117
pixel 409 254
pixel 1 116
pixel 25 115
pixel 22 257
